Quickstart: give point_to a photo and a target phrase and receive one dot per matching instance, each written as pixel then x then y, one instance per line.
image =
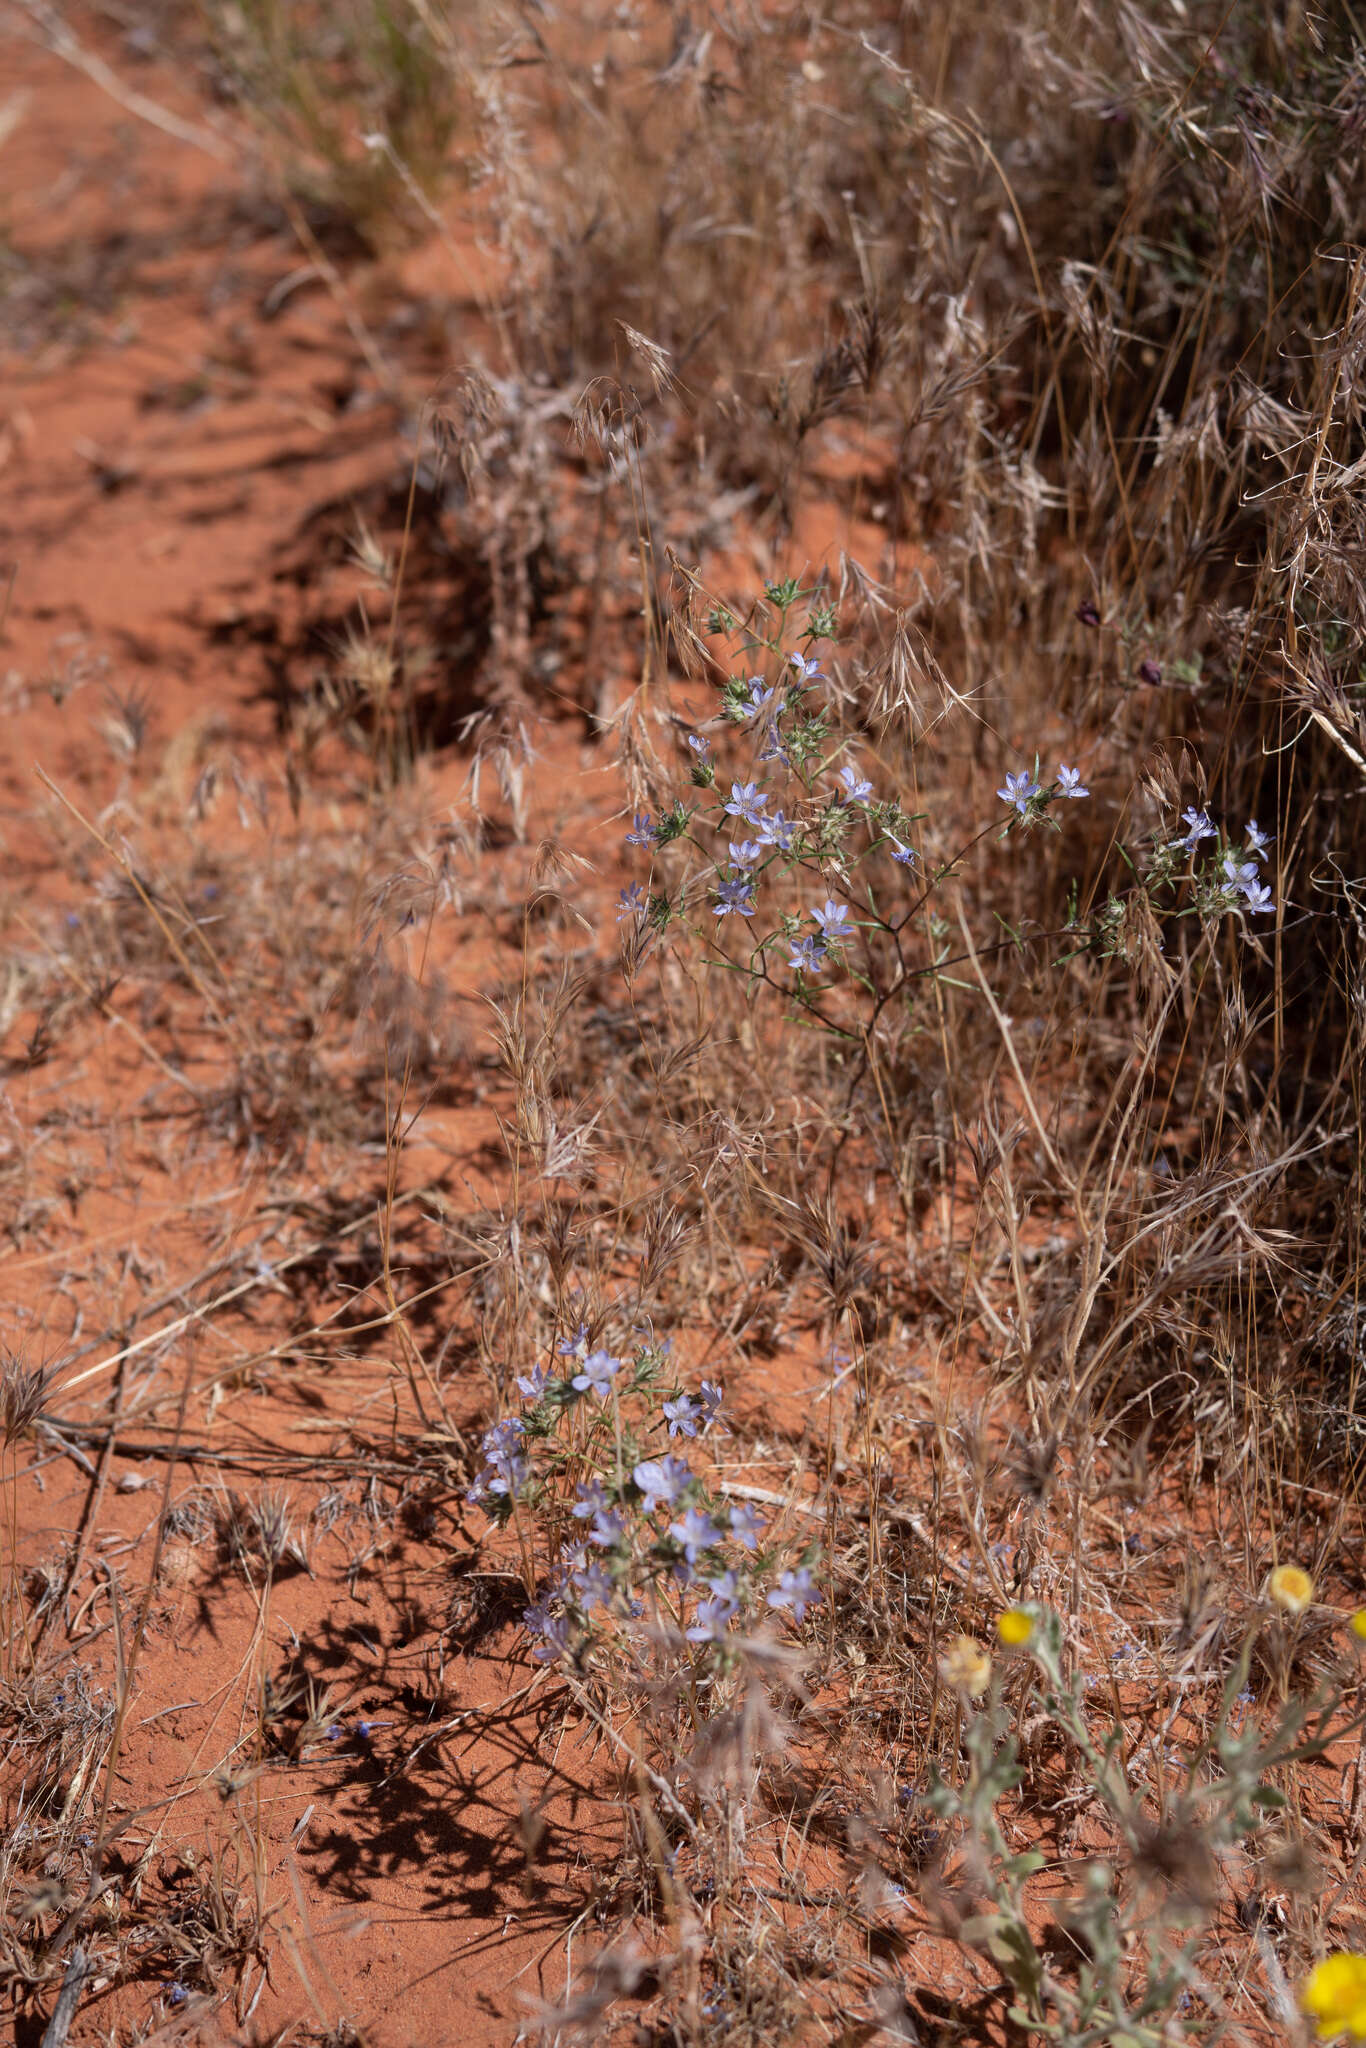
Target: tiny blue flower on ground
pixel 746 1526
pixel 532 1383
pixel 631 901
pixel 1070 782
pixel 745 852
pixel 552 1629
pixel 833 919
pixel 1198 826
pixel 797 1591
pixel 1257 840
pixel 644 832
pixel 715 1615
pixel 599 1370
pixel 856 788
pixel 808 671
pixel 661 1480
pixel 807 956
pixel 1020 790
pixel 735 898
pixel 777 831
pixel 696 1532
pixel 682 1415
pixel 747 801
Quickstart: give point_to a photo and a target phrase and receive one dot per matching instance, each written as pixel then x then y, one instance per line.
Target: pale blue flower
pixel 700 744
pixel 1239 874
pixel 594 1587
pixel 1020 790
pixel 747 801
pixel 807 955
pixel 905 856
pixel 856 788
pixel 591 1501
pixel 746 1526
pixel 1198 826
pixel 735 898
pixel 1070 782
pixel 1257 840
pixel 576 1345
pixel 1257 896
pixel 532 1384
pixel 772 748
pixel 599 1370
pixel 797 1591
pixel 778 831
pixel 697 1533
pixel 808 670
pixel 606 1528
pixel 681 1415
pixel 631 902
pixel 714 1616
pixel 833 919
pixel 745 852
pixel 661 1480
pixel 644 832
pixel 712 1397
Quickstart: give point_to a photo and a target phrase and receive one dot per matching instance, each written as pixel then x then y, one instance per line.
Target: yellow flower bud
pixel 1358 1624
pixel 1291 1588
pixel 1015 1628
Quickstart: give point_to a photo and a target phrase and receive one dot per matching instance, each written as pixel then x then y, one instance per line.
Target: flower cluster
pixel 641 1537
pixel 1229 877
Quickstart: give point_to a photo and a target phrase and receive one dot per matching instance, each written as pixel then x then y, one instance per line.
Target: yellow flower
pixel 966 1666
pixel 1015 1627
pixel 1291 1588
pixel 1358 1624
pixel 1334 1994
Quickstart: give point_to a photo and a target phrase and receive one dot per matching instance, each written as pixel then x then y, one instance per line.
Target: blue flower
pixel 661 1480
pixel 795 1590
pixel 773 749
pixel 1258 896
pixel 575 1346
pixel 631 902
pixel 1257 840
pixel 1239 874
pixel 1199 826
pixel 735 898
pixel 552 1629
pixel 833 920
pixel 745 1526
pixel 591 1501
pixel 808 671
pixel 644 833
pixel 607 1528
pixel 712 1397
pixel 807 955
pixel 904 855
pixel 745 852
pixel 697 1533
pixel 759 697
pixel 700 744
pixel 1070 782
pixel 681 1415
pixel 777 831
pixel 599 1370
pixel 747 801
pixel 1020 790
pixel 856 789
pixel 532 1384
pixel 715 1615
pixel 594 1587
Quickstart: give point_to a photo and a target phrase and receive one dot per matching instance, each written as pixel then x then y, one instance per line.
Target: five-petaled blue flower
pixel 631 902
pixel 712 1397
pixel 833 919
pixel 1199 825
pixel 697 1533
pixel 715 1615
pixel 773 748
pixel 905 856
pixel 575 1345
pixel 1257 840
pixel 1070 782
pixel 856 788
pixel 594 1587
pixel 777 831
pixel 681 1415
pixel 807 955
pixel 735 898
pixel 1020 790
pixel 599 1370
pixel 746 1526
pixel 759 697
pixel 744 852
pixel 643 833
pixel 747 801
pixel 796 1590
pixel 532 1383
pixel 661 1480
pixel 1257 896
pixel 808 671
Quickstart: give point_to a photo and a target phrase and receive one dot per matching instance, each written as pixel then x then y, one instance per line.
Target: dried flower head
pixel 966 1666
